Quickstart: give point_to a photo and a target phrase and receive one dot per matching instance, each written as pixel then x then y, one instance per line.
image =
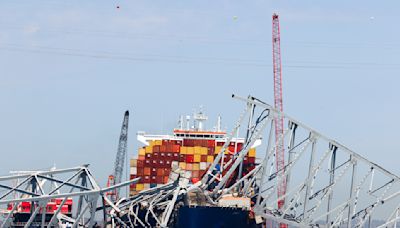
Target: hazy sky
pixel 69 70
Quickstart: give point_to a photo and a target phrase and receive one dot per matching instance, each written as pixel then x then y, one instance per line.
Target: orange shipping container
pixel 141 157
pixel 147 171
pixel 142 151
pixel 160 171
pixel 165 179
pixel 252 152
pixel 210 158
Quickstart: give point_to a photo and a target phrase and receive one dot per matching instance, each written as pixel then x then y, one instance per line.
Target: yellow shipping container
pixel 158 142
pixel 142 151
pixel 203 151
pixel 217 149
pixel 182 165
pixel 139 187
pixel 226 151
pixel 196 166
pixel 133 162
pixel 190 150
pixel 184 150
pixel 152 143
pixel 197 158
pixel 210 158
pixel 252 152
pixel 149 149
pixel 197 150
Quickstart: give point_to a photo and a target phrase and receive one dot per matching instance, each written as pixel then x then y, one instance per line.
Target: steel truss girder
pixel 40 187
pixel 310 201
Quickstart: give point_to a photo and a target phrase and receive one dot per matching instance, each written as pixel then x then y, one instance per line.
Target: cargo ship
pixel 190 147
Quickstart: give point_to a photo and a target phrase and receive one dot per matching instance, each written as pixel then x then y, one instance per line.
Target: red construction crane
pixel 279 142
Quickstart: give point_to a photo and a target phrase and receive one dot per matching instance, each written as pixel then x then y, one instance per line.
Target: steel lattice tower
pixel 279 150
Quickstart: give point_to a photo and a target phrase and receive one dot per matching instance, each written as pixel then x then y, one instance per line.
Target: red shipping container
pixel 167 164
pixel 162 155
pixel 220 143
pixel 161 163
pixel 188 142
pixel 68 202
pixel 159 179
pixel 154 163
pixel 148 156
pixel 153 179
pixel 146 179
pixel 178 142
pixel 175 156
pixel 226 158
pixel 141 157
pixel 147 163
pixel 132 186
pixel 201 173
pixel 189 158
pixel 167 171
pixel 203 158
pixel 156 148
pixel 64 209
pixel 140 163
pixel 211 143
pixel 210 151
pixel 163 148
pixel 140 171
pixel 153 172
pixel 252 160
pixel 155 155
pixel 240 146
pixel 169 155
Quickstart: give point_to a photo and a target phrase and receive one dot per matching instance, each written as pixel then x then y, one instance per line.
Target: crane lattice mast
pixel 116 177
pixel 279 150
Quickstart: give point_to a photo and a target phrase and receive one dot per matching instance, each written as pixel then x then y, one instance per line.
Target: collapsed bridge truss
pixel 328 185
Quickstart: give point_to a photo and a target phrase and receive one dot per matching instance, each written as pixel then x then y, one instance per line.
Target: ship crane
pixel 116 177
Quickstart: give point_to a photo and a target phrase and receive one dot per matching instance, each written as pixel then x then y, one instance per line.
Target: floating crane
pixel 116 177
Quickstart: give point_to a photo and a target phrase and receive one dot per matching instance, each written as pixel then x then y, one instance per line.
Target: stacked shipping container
pixel 153 164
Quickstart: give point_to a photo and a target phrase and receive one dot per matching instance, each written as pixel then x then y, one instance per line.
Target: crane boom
pixel 116 177
pixel 279 149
